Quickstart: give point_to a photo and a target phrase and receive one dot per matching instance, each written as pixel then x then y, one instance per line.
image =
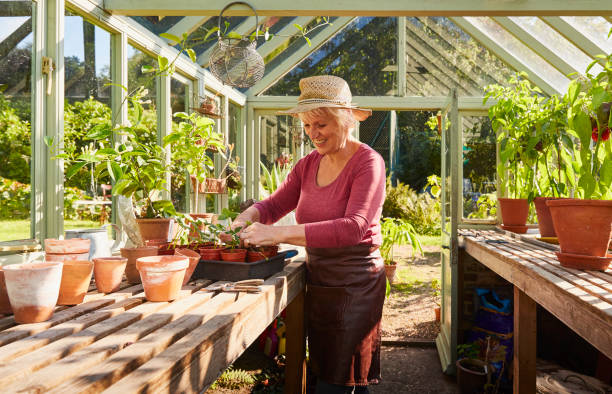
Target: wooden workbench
pixel 121 343
pixel 580 299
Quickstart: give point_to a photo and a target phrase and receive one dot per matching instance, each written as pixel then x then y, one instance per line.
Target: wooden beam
pixel 502 52
pixel 568 31
pixel 295 371
pixel 364 8
pixel 401 56
pixel 378 103
pixel 287 65
pixel 536 45
pixel 188 25
pixel 245 28
pixel 15 8
pixel 525 343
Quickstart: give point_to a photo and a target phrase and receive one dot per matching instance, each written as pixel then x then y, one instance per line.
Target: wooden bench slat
pixel 200 356
pixel 126 360
pixel 28 363
pixel 41 339
pixel 94 353
pixel 522 251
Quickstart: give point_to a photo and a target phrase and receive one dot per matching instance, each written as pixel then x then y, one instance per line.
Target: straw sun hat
pixel 326 91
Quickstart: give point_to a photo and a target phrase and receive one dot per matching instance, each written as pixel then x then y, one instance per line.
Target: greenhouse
pixel 142 138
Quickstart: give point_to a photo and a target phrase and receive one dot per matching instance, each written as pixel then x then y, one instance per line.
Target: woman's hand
pixel 258 234
pixel 225 237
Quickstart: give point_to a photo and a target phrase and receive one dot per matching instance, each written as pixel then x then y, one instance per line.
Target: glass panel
pixel 196 39
pixel 418 150
pixel 178 102
pixel 479 164
pixel 375 131
pixel 555 41
pixel 439 56
pixel 594 27
pixel 157 24
pixel 234 128
pixel 446 174
pixel 364 53
pixel 87 199
pixel 277 142
pixel 136 79
pixel 15 117
pixel 517 49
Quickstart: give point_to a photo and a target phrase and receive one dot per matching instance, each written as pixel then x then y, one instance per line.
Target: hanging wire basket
pixel 235 61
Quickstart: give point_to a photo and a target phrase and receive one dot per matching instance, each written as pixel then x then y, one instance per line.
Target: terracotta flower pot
pixel 154 228
pixel 390 271
pixel 194 259
pixel 67 249
pixel 545 222
pixel 263 252
pixel 514 213
pixel 211 252
pixel 583 227
pixel 131 254
pixel 437 311
pixel 76 276
pixel 162 276
pixel 471 377
pixel 108 273
pixel 236 255
pixel 5 305
pixel 33 289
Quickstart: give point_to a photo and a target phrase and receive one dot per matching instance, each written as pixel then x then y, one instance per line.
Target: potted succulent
pixel 396 232
pixel 514 118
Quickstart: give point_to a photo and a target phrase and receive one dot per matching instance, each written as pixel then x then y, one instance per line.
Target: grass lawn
pixel 20 229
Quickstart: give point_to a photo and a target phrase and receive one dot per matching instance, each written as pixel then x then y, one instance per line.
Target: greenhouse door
pixel 446 341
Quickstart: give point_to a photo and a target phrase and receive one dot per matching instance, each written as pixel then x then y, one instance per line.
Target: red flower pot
pixel 262 253
pixel 211 252
pixel 583 227
pixel 545 222
pixel 514 211
pixel 236 255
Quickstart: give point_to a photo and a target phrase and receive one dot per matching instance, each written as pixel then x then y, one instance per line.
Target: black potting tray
pixel 229 270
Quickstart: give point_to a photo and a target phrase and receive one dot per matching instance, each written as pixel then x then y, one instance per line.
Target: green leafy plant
pixel 515 117
pixel 234 379
pixel 397 232
pixel 272 179
pixel 590 121
pixel 421 210
pixel 435 291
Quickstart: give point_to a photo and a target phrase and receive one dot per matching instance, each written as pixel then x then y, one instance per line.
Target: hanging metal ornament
pixel 234 60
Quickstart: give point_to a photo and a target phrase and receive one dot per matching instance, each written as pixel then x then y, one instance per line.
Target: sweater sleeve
pixel 362 214
pixel 284 199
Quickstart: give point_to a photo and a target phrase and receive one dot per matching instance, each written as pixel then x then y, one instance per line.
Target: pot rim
pixel 77 262
pixel 186 252
pixel 138 248
pixel 38 266
pixel 579 202
pixel 110 259
pixel 510 199
pixel 169 263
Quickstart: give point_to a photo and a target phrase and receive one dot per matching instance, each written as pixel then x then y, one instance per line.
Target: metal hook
pixel 234 3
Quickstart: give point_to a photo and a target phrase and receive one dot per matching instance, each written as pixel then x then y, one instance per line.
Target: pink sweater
pixel 344 213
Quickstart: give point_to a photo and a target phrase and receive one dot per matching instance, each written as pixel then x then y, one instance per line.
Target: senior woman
pixel 337 192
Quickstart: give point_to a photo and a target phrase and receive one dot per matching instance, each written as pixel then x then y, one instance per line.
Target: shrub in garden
pixel 421 210
pixel 15 146
pixel 15 198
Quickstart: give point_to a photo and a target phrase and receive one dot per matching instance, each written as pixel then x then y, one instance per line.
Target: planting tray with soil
pixel 232 271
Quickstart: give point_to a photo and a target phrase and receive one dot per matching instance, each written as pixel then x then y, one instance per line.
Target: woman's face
pixel 325 134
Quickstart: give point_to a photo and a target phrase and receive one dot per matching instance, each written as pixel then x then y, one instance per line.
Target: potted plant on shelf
pixel 233 251
pixel 583 225
pixel 514 118
pixel 396 232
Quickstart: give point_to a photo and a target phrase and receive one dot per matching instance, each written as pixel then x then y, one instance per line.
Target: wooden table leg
pixel 525 333
pixel 295 370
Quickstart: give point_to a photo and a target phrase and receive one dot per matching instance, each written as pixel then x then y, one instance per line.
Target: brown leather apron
pixel 344 301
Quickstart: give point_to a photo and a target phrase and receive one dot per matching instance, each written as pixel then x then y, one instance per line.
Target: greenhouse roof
pixel 465 45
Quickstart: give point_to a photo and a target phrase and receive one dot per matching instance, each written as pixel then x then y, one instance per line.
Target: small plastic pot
pixel 236 255
pixel 194 259
pixel 262 253
pixel 76 276
pixel 33 290
pixel 108 273
pixel 162 276
pixel 132 254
